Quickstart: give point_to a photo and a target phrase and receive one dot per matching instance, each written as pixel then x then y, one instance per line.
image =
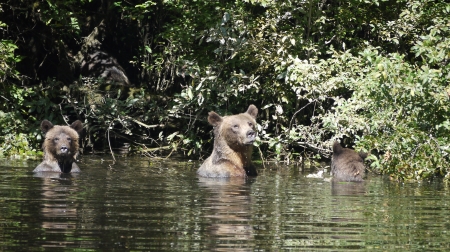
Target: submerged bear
pixel 347 164
pixel 233 143
pixel 60 147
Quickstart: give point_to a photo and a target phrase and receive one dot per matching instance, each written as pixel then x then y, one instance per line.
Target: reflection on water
pixel 348 188
pixel 150 205
pixel 228 210
pixel 58 208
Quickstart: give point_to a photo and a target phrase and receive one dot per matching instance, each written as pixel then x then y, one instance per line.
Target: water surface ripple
pixel 152 205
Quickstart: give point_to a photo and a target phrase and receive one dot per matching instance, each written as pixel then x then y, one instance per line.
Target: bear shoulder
pixel 52 166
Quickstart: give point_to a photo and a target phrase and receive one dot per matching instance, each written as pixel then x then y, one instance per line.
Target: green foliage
pixel 20 117
pixel 372 72
pixel 406 106
pixel 18 146
pixel 400 109
pixel 60 15
pixel 7 60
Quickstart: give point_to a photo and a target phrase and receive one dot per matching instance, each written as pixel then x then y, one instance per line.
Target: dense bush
pixel 372 73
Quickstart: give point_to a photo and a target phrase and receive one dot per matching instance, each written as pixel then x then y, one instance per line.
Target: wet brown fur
pixel 233 144
pixel 347 164
pixel 60 147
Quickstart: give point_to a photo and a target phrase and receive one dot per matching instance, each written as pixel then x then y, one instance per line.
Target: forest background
pixel 142 75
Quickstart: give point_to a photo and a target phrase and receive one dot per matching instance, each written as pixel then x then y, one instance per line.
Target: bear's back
pixel 347 164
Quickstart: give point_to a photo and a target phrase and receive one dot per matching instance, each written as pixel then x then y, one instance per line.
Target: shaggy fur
pixel 347 164
pixel 233 144
pixel 60 147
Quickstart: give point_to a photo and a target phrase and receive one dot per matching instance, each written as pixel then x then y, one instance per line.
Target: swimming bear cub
pixel 233 144
pixel 60 147
pixel 347 164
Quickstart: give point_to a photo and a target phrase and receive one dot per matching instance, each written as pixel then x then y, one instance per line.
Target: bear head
pixel 61 142
pixel 347 164
pixel 237 131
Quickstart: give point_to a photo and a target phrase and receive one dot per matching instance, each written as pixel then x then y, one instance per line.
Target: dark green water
pixel 151 205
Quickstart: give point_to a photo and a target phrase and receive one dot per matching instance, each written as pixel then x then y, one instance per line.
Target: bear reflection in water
pixel 339 188
pixel 60 147
pixel 347 164
pixel 227 213
pixel 58 210
pixel 233 144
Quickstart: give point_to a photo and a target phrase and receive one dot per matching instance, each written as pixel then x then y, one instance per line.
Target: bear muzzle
pixel 64 150
pixel 251 137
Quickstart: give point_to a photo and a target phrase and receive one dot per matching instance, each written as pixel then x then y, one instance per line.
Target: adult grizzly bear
pixel 60 147
pixel 233 143
pixel 347 164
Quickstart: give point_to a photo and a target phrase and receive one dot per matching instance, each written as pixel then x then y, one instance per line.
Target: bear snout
pixel 251 136
pixel 64 149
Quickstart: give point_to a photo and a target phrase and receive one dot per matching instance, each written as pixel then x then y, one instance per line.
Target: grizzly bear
pixel 60 147
pixel 233 144
pixel 347 164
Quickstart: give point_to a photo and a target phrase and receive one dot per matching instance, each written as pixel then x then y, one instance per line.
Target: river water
pixel 140 204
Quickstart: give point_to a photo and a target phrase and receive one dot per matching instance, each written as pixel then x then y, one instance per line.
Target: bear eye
pixel 69 139
pixel 250 124
pixel 56 139
pixel 236 126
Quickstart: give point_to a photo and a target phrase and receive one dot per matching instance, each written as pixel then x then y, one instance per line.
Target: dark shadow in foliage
pixel 94 62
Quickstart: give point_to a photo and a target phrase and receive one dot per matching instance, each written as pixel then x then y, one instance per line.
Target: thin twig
pixel 143 124
pixel 109 143
pixel 60 109
pixel 157 148
pixel 170 154
pixel 262 158
pixel 290 123
pixel 329 41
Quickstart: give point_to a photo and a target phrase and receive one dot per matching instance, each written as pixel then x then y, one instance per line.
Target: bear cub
pixel 347 164
pixel 60 147
pixel 233 144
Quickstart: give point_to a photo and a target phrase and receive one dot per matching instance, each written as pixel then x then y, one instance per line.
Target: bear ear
pixel 77 126
pixel 337 148
pixel 46 126
pixel 363 155
pixel 252 110
pixel 214 119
